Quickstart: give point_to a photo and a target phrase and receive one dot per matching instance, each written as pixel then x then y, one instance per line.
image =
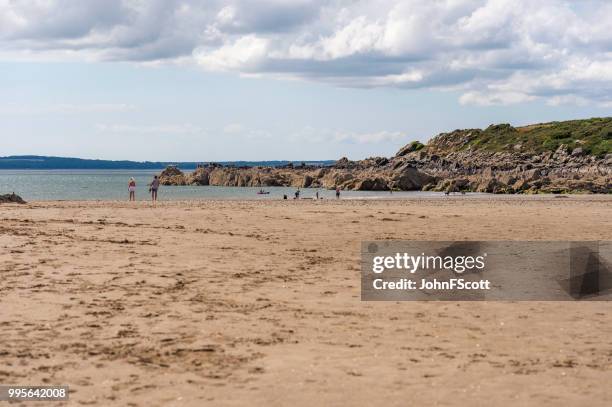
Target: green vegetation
pixel 594 136
pixel 415 146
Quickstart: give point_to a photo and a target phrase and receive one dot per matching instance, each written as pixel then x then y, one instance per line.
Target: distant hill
pixel 35 162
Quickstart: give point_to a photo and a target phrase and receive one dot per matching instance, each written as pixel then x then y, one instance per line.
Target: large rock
pixel 199 177
pixel 409 148
pixel 307 181
pixel 171 175
pixel 490 185
pixel 372 184
pixel 410 179
pixel 11 198
pixel 578 151
pixel 336 179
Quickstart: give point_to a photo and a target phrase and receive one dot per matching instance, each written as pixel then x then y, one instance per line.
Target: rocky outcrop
pixel 11 198
pixel 506 172
pixel 557 157
pixel 348 175
pixel 172 176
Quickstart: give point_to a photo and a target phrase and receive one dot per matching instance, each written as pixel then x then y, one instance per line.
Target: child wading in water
pixel 132 189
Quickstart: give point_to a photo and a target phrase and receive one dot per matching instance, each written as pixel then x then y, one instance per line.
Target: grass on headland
pixel 594 136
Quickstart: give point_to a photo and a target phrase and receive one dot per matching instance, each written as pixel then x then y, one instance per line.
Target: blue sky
pixel 298 80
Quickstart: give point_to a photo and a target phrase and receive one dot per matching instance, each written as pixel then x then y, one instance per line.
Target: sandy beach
pixel 238 303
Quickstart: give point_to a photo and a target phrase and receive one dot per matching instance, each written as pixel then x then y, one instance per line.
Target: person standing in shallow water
pixel 154 187
pixel 337 193
pixel 132 189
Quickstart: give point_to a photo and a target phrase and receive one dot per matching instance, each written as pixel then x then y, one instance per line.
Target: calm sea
pixel 41 185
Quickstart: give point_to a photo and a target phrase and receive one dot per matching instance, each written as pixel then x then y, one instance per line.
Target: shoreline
pixel 384 195
pixel 437 198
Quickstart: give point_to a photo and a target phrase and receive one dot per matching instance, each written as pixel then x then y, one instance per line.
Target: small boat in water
pixel 262 192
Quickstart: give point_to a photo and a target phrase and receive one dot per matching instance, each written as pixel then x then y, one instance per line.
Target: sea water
pixel 42 185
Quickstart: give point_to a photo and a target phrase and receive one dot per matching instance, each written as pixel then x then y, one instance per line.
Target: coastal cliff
pixel 557 157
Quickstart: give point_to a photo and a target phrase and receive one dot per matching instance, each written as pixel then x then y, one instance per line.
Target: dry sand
pixel 258 303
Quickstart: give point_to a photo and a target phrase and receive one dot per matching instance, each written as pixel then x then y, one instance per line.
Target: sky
pixel 289 79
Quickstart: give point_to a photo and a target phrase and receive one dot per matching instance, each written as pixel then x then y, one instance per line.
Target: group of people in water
pixel 153 188
pixel 297 194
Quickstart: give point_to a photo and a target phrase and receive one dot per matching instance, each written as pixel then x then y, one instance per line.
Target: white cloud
pixel 174 129
pixel 65 108
pixel 233 128
pixel 414 76
pixel 258 134
pixel 237 129
pixel 324 135
pixel 93 108
pixel 489 98
pixel 244 54
pixel 492 51
pixel 567 100
pixel 370 138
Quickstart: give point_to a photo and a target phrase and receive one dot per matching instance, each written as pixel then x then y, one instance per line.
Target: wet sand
pixel 258 303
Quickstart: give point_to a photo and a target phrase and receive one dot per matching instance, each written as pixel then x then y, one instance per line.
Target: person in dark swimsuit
pixel 154 188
